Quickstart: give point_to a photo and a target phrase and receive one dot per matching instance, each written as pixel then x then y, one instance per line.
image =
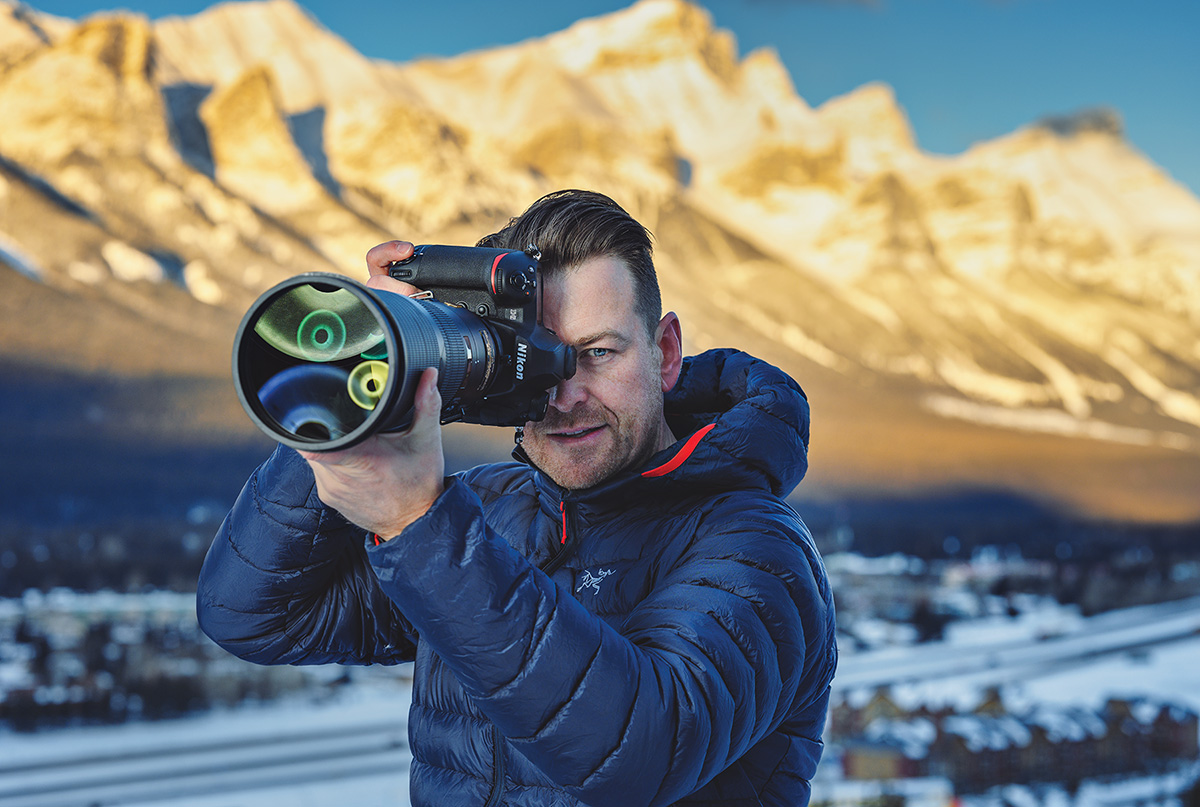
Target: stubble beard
pixel 575 468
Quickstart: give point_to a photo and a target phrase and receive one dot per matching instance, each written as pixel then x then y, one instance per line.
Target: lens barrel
pixel 321 362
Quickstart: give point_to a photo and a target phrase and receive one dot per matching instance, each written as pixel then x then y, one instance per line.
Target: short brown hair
pixel 569 227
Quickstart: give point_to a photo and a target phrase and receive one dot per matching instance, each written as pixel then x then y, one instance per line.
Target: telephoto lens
pixel 321 362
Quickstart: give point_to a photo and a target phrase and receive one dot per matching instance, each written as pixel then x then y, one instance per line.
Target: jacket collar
pixel 741 423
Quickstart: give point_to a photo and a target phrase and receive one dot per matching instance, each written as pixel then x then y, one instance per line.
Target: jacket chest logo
pixel 592 581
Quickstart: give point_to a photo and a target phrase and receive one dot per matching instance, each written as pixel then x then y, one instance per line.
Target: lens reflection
pixel 321 336
pixel 322 362
pixel 366 383
pixel 309 372
pixel 310 401
pixel 319 324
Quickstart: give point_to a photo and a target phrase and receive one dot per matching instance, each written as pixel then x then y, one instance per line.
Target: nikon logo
pixel 522 356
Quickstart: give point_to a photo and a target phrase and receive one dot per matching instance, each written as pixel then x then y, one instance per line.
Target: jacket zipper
pixel 498 768
pixel 565 546
pixel 561 552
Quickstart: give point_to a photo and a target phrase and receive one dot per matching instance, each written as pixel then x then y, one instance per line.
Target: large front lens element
pixel 321 362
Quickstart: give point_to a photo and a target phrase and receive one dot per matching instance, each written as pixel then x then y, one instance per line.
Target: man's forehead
pixel 590 299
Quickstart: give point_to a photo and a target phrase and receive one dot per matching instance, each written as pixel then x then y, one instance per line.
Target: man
pixel 628 615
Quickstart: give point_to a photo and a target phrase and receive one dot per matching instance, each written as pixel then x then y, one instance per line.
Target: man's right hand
pixel 389 480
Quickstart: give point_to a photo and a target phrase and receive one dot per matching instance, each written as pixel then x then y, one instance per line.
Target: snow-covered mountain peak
pixel 312 66
pixel 647 33
pixel 869 112
pixel 1044 281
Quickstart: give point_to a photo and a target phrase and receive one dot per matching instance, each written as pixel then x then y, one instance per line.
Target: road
pixel 232 762
pixel 1128 631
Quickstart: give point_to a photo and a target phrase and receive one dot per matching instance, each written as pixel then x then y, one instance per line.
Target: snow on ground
pixel 1100 662
pixel 1043 657
pixel 1168 672
pixel 379 701
pixel 363 703
pixel 389 789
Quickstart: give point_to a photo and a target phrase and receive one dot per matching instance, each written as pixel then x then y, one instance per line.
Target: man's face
pixel 609 415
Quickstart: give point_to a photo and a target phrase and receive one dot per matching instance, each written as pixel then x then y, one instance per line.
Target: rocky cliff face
pixel 1025 314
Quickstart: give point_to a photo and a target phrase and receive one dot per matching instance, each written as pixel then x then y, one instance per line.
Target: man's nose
pixel 568 394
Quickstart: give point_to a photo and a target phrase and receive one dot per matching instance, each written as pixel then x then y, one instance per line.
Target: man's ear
pixel 668 338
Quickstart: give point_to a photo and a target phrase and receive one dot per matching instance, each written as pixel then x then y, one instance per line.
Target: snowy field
pixel 1049 654
pixel 352 749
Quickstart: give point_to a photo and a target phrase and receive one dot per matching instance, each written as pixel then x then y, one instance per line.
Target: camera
pixel 321 361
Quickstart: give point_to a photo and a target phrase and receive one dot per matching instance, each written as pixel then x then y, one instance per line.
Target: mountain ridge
pixel 1045 284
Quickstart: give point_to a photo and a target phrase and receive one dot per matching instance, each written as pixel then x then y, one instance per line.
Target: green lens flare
pixel 366 383
pixel 377 352
pixel 310 323
pixel 321 335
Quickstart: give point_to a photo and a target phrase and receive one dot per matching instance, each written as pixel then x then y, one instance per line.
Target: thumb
pixel 427 404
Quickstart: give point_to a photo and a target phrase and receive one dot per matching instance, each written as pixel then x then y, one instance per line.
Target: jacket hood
pixel 741 423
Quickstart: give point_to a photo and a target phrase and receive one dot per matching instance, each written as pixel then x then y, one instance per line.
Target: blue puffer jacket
pixel 666 637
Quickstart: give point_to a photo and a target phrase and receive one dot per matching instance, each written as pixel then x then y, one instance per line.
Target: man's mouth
pixel 575 434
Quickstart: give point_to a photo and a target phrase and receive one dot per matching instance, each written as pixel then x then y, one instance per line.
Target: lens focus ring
pixel 453 366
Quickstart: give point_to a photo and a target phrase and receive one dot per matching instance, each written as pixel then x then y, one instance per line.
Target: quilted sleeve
pixel 733 636
pixel 286 580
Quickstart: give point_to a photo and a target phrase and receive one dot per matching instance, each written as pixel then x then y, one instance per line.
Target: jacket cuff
pixel 462 586
pixel 446 519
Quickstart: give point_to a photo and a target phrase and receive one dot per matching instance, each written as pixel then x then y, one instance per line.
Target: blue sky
pixel 964 70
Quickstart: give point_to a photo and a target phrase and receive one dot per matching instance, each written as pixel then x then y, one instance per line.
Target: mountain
pixel 1022 317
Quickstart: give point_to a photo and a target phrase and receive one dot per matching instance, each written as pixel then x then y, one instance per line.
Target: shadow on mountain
pixel 308 132
pixel 90 449
pixel 952 523
pixel 121 482
pixel 45 188
pixel 188 133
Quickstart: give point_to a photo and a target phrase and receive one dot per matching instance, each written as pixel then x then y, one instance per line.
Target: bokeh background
pixel 970 230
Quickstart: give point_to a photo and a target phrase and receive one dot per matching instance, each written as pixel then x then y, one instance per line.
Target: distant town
pixel 946 690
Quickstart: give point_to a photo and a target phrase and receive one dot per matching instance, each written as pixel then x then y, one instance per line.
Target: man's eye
pixel 597 352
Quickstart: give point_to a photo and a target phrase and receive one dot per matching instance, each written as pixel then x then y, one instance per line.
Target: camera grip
pixel 459 275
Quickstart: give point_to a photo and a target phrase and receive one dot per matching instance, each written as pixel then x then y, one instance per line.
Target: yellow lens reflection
pixel 366 383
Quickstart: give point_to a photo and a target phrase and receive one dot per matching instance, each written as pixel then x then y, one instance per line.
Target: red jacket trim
pixel 682 455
